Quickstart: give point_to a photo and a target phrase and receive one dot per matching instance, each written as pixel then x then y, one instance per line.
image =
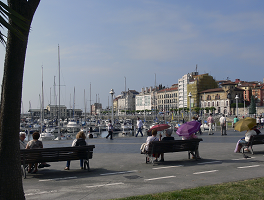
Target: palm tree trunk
pixel 10 165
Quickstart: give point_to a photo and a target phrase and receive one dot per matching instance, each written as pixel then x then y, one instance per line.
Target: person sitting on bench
pixel 150 139
pixel 244 140
pixel 189 137
pixel 168 133
pixel 34 144
pixel 79 141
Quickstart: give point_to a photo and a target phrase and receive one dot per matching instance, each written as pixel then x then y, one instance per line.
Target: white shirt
pixel 139 123
pixel 262 120
pixel 110 127
pixel 150 139
pixel 222 120
pixel 22 144
pixel 249 134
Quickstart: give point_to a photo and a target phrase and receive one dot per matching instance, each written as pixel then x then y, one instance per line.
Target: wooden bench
pixel 171 146
pixel 31 156
pixel 254 140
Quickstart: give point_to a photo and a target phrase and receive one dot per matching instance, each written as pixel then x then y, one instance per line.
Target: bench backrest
pixel 56 154
pixel 174 146
pixel 256 139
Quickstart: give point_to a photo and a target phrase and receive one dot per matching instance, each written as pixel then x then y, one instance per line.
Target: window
pixel 208 104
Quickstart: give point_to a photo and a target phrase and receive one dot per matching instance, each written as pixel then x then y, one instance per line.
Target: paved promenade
pixel 119 170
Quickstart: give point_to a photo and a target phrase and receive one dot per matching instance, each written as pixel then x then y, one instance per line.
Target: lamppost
pixel 190 96
pixel 244 107
pixel 144 106
pixel 112 93
pixel 236 104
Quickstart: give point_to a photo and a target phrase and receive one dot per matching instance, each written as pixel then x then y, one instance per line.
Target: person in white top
pixel 244 140
pixel 110 130
pixel 262 121
pixel 223 125
pixel 258 121
pixel 139 126
pixel 151 138
pixel 22 136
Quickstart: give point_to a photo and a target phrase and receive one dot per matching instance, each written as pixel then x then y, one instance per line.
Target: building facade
pixel 167 99
pixel 126 101
pixel 96 108
pixel 198 83
pixel 146 99
pixel 53 111
pixel 222 98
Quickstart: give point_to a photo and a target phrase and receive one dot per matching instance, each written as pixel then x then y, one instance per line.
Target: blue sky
pixel 102 42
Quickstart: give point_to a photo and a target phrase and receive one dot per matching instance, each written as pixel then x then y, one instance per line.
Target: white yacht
pixel 73 127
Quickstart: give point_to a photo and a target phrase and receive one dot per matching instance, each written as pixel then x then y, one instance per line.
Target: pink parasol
pixel 159 127
pixel 188 128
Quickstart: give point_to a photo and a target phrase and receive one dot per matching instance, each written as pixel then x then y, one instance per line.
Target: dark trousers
pixel 69 162
pixel 110 133
pixel 139 131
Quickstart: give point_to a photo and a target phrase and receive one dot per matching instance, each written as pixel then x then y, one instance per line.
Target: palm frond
pixel 18 22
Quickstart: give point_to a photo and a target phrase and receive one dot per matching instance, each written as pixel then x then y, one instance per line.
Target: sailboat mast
pixel 59 89
pixel 42 102
pixel 73 103
pixel 84 111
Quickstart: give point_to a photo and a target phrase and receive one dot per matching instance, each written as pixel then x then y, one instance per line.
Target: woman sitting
pixel 150 139
pixel 168 133
pixel 34 144
pixel 189 137
pixel 79 141
pixel 245 139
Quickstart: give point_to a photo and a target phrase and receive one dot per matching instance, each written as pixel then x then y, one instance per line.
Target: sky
pixel 131 44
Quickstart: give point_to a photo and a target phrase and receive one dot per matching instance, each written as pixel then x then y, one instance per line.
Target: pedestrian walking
pixel 235 121
pixel 198 119
pixel 139 126
pixel 223 125
pixel 110 130
pixel 210 121
pixel 262 121
pixel 258 122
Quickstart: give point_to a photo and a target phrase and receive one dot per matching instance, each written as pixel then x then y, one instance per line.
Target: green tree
pixel 197 110
pixel 212 109
pixel 10 165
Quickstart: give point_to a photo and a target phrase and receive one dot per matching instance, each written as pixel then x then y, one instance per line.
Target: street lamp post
pixel 144 107
pixel 244 106
pixel 112 93
pixel 236 104
pixel 190 96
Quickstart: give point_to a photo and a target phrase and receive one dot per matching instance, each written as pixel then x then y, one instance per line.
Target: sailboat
pixel 72 126
pixel 43 135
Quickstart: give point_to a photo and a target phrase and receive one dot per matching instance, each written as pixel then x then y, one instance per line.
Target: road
pixel 119 170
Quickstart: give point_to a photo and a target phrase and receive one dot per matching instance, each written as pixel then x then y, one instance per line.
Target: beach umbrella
pixel 245 124
pixel 188 128
pixel 159 127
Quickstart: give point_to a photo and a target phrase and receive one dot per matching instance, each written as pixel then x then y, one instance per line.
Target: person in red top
pixel 210 122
